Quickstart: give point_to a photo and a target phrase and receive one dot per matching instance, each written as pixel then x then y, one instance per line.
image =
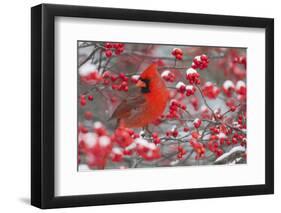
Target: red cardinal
pixel 139 111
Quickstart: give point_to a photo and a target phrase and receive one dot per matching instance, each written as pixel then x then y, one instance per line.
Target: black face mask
pixel 146 88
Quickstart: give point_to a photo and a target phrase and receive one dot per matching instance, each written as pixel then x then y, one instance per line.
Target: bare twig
pixel 205 101
pixel 89 56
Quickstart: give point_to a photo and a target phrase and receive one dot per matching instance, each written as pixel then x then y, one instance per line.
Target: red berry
pixel 154 135
pixel 179 156
pixel 122 75
pixel 197 123
pixel 175 133
pixel 183 107
pixel 179 57
pixel 124 84
pixel 113 78
pixel 88 115
pixel 177 52
pixel 90 97
pixel 108 45
pixel 83 102
pixel 106 74
pixel 106 82
pixel 157 140
pixel 108 53
pixel 204 57
pixel 126 88
pixel 232 108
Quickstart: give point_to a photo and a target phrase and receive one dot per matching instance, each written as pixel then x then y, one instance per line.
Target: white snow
pixel 142 133
pixel 189 87
pixel 228 84
pixel 87 68
pixel 135 77
pixel 97 125
pixel 232 151
pixel 83 168
pixel 240 84
pixel 165 73
pixel 203 108
pixel 90 139
pixel 235 124
pixel 198 58
pixel 145 143
pixel 149 153
pixel 117 151
pixel 221 135
pixel 174 127
pixel 196 120
pixel 131 146
pixel 180 84
pixel 104 141
pixel 208 83
pixel 190 71
pixel 175 162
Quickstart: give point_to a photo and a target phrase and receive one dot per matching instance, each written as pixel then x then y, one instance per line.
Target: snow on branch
pixel 231 156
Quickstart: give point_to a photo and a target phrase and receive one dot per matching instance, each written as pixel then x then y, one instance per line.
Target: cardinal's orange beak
pixel 141 84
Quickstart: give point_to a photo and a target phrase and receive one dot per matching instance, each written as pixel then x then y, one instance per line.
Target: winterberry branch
pixel 92 54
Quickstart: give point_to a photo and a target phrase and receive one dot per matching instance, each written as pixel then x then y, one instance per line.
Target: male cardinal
pixel 148 105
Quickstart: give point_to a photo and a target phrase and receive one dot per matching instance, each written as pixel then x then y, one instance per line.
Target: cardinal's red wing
pixel 128 107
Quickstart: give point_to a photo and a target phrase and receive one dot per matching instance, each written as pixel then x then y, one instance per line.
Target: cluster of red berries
pixel 200 62
pixel 210 90
pixel 91 78
pixel 231 104
pixel 192 76
pixel 177 52
pixel 241 122
pixel 99 146
pixel 95 145
pixel 174 109
pixel 167 75
pixel 119 82
pixel 240 60
pixel 198 148
pixel 83 100
pixel 197 123
pixel 181 152
pixel 110 48
pixel 187 89
pixel 228 88
pixel 213 146
pixel 219 136
pixel 123 137
pixel 148 151
pixel 241 88
pixel 156 138
pixel 116 154
pixel 172 133
pixel 239 138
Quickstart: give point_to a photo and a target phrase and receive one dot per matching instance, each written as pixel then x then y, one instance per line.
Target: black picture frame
pixel 43 105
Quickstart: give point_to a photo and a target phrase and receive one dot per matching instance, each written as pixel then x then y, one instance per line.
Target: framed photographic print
pixel 140 106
